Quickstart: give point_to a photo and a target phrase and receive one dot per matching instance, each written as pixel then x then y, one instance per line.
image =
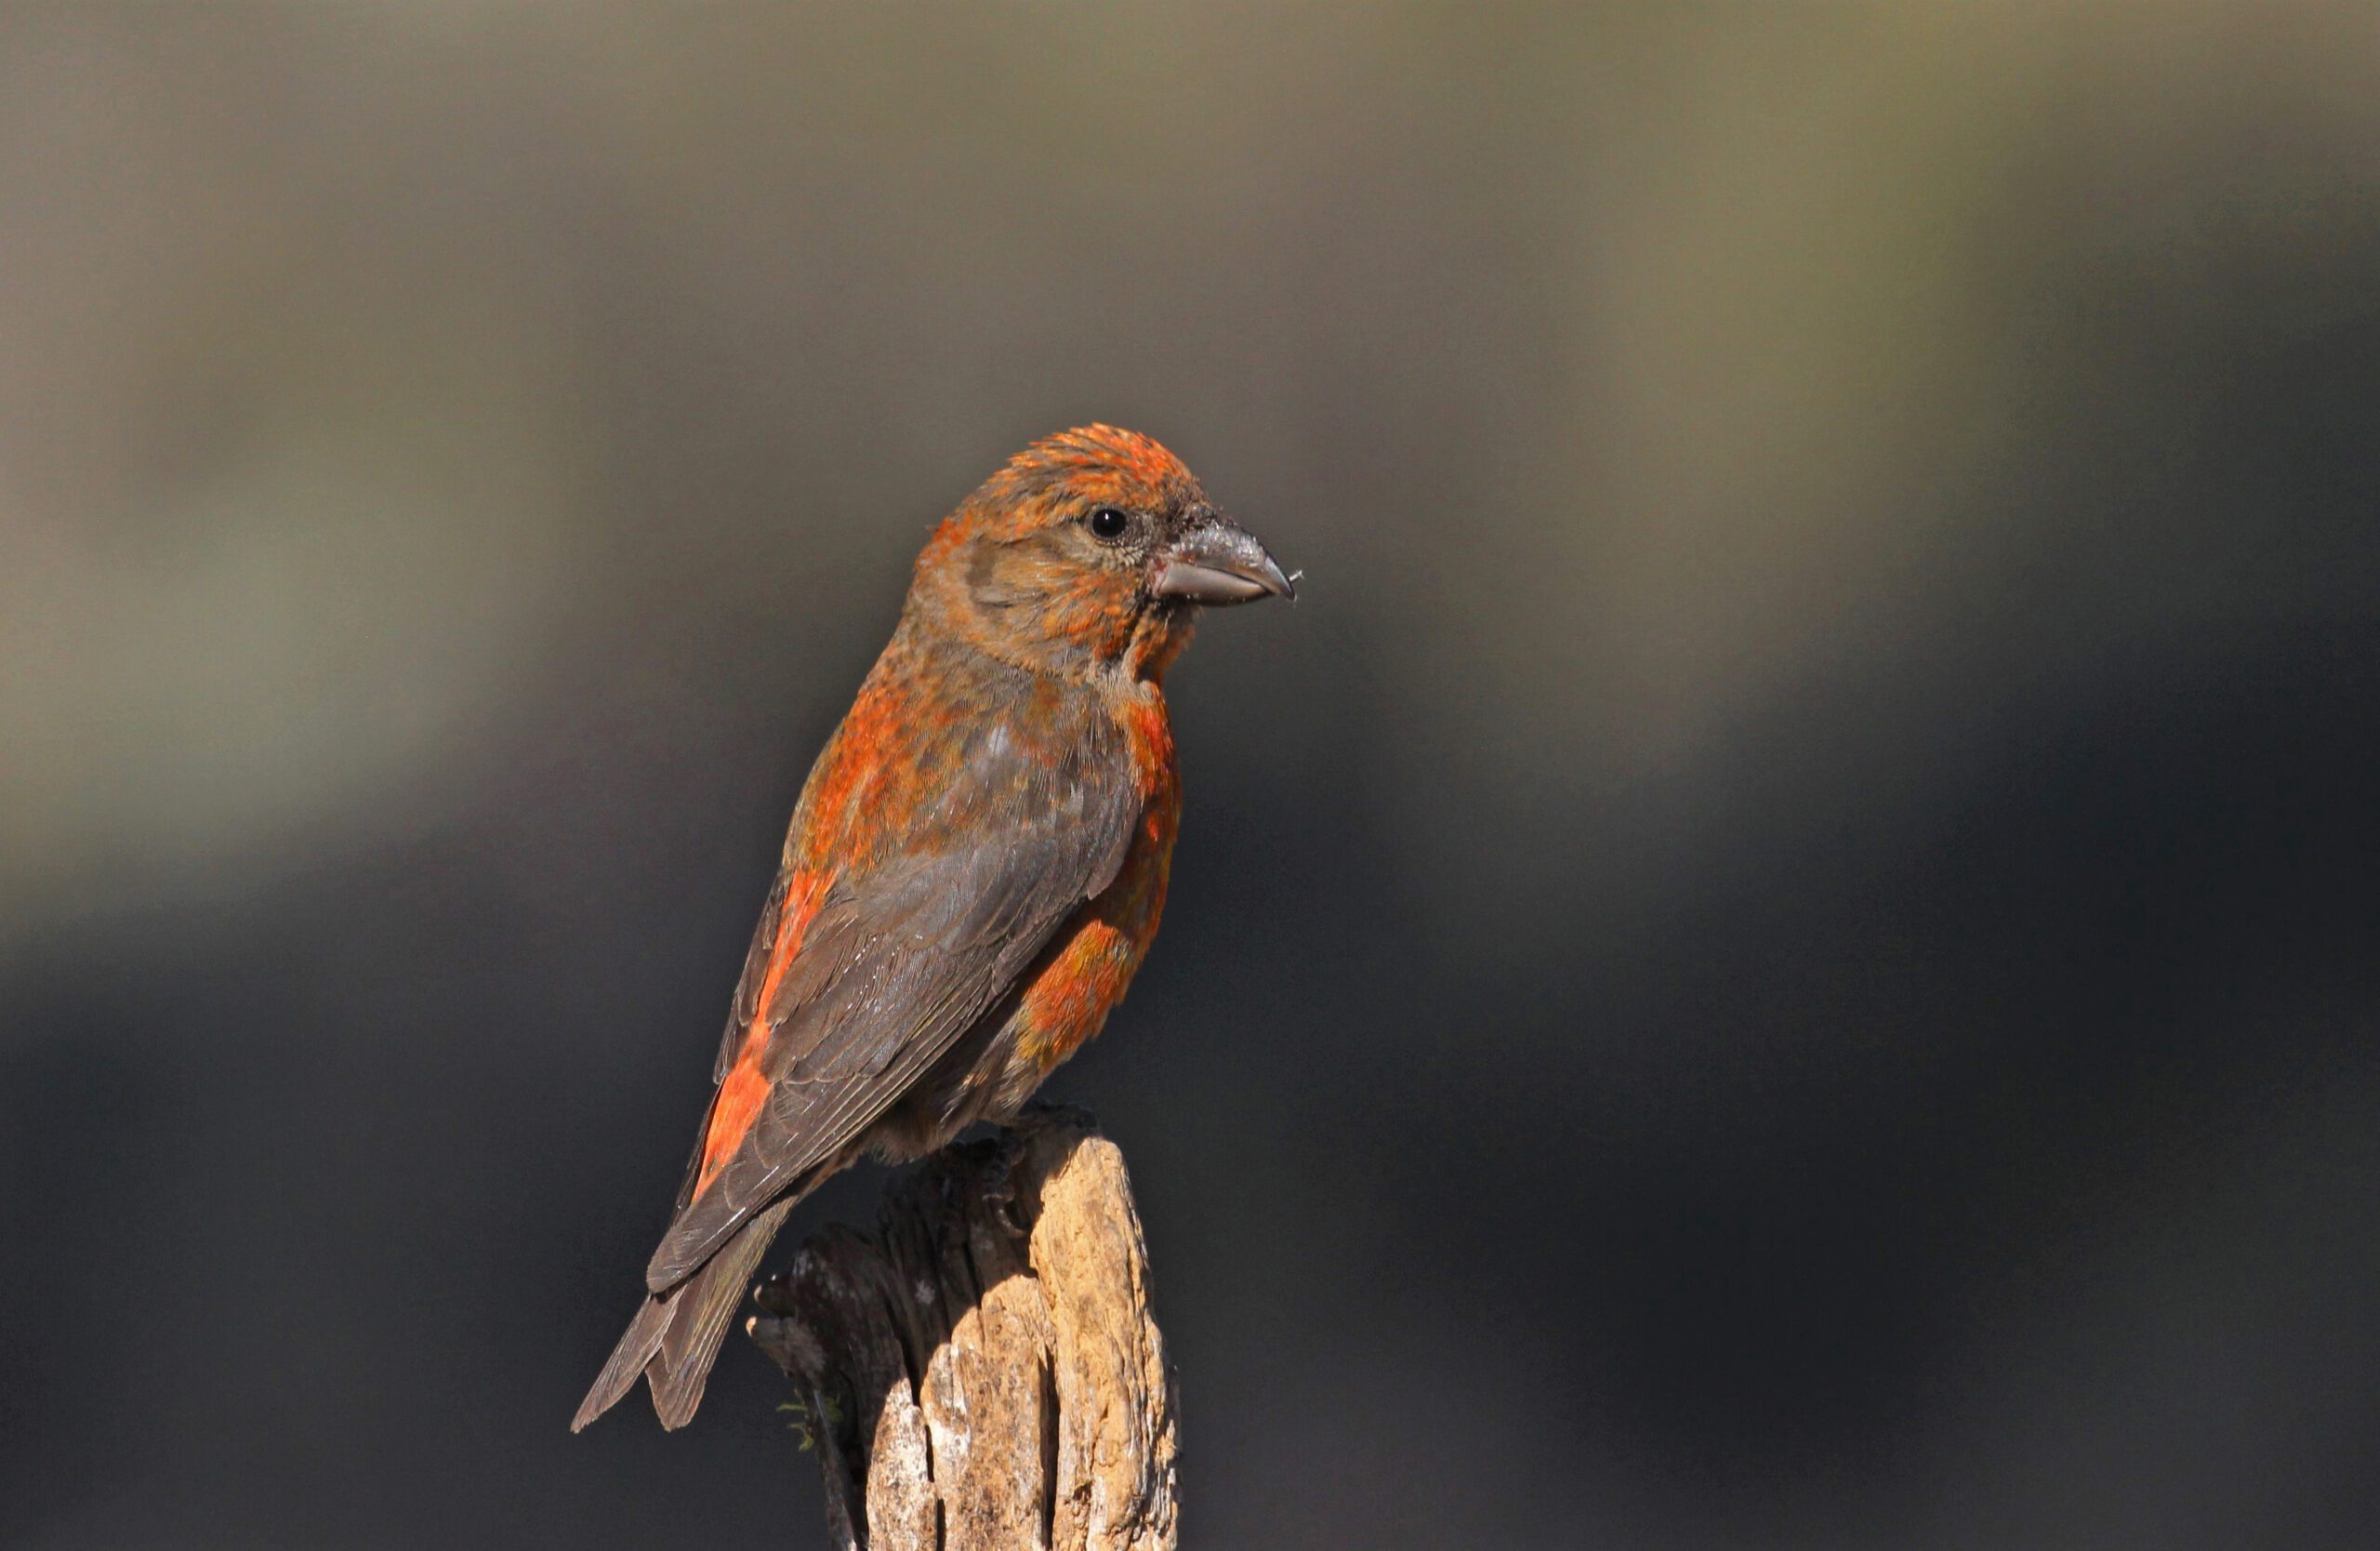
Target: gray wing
pixel 900 962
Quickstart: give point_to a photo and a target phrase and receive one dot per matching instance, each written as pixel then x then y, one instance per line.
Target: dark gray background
pixel 1779 952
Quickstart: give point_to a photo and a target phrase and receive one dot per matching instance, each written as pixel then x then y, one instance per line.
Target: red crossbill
pixel 974 868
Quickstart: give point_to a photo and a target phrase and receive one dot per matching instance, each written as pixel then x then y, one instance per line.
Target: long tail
pixel 675 1337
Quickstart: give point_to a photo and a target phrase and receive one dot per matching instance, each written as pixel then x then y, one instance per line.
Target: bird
pixel 973 872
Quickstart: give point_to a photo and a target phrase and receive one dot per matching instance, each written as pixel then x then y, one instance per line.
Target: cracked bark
pixel 982 1371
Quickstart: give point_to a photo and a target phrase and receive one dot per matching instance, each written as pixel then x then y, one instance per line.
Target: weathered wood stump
pixel 983 1372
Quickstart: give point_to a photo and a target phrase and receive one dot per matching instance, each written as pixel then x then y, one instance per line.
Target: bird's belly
pixel 1082 974
pixel 1064 1000
pixel 1065 1004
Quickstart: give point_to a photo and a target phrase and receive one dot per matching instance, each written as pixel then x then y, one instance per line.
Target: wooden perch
pixel 983 1374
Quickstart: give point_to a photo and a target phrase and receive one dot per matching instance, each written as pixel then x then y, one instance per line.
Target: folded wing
pixel 858 982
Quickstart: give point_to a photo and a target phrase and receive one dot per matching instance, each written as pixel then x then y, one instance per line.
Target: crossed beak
pixel 1216 563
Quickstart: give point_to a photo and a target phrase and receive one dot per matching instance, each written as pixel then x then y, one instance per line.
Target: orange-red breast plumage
pixel 976 867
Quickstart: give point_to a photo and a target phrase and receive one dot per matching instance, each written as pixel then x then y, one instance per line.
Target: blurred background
pixel 1779 951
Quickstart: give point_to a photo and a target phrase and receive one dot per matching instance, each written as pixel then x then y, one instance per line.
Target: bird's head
pixel 1091 551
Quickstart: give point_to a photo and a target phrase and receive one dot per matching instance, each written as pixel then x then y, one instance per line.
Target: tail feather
pixel 674 1338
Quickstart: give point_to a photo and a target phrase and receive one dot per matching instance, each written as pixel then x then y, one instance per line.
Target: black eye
pixel 1107 524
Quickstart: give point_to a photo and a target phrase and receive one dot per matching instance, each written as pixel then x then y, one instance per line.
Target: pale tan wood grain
pixel 983 1372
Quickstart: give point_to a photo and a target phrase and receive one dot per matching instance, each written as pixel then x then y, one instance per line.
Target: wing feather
pixel 896 966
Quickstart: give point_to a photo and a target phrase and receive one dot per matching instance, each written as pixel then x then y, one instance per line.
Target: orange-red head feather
pixel 1050 563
